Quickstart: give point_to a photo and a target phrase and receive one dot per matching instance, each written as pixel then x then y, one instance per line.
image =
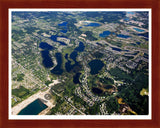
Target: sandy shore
pixel 16 109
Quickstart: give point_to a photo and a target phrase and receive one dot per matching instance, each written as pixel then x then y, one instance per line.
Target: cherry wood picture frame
pixel 106 4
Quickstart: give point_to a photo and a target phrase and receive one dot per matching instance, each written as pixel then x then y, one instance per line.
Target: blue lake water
pixel 33 108
pixel 73 56
pixel 66 56
pixel 47 60
pixel 54 38
pixel 95 65
pixel 133 44
pixel 64 31
pixel 58 68
pixel 45 46
pixel 63 26
pixel 138 30
pixel 144 34
pixel 126 19
pixel 80 48
pixel 138 43
pixel 93 25
pixel 68 65
pixel 123 36
pixel 76 78
pixel 104 34
pixel 96 90
pixel 130 13
pixel 145 55
pixel 116 49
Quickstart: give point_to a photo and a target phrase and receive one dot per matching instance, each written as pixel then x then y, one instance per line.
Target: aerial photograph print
pixel 79 63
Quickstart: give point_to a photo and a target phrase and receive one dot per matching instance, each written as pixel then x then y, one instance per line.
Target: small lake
pixel 108 87
pixel 145 55
pixel 105 34
pixel 132 13
pixel 58 68
pixel 116 49
pixel 123 36
pixel 54 38
pixel 95 66
pixel 68 65
pixel 63 26
pixel 144 34
pixel 80 48
pixel 138 43
pixel 93 25
pixel 127 19
pixel 96 90
pixel 47 60
pixel 76 78
pixel 45 46
pixel 33 108
pixel 138 30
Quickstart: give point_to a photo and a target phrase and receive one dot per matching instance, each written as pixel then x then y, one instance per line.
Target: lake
pixel 116 49
pixel 80 48
pixel 108 87
pixel 93 25
pixel 46 59
pixel 54 38
pixel 123 36
pixel 58 68
pixel 63 26
pixel 45 46
pixel 138 30
pixel 33 108
pixel 144 34
pixel 138 43
pixel 132 13
pixel 95 66
pixel 73 56
pixel 96 90
pixel 76 78
pixel 68 65
pixel 145 55
pixel 127 19
pixel 104 34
